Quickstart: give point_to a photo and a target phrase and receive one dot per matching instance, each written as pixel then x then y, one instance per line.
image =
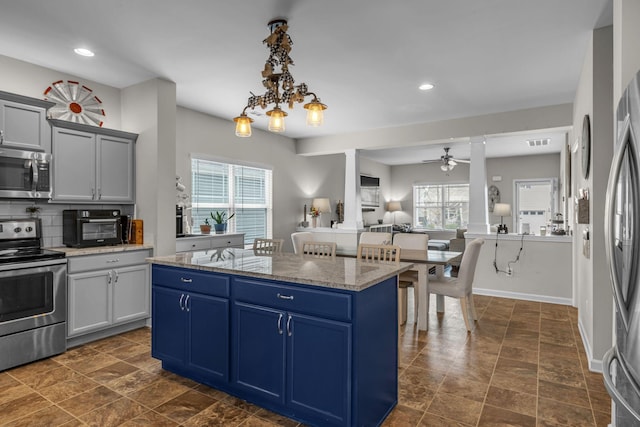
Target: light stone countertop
pixel 71 252
pixel 340 273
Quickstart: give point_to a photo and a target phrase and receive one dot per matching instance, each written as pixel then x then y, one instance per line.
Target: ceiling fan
pixel 447 161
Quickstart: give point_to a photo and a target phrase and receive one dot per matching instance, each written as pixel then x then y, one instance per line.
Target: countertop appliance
pixel 179 221
pixel 25 174
pixel 33 295
pixel 621 364
pixel 82 228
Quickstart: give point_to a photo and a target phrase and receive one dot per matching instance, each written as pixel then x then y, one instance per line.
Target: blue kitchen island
pixel 312 339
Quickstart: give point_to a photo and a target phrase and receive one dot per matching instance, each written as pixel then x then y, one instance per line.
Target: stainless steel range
pixel 33 295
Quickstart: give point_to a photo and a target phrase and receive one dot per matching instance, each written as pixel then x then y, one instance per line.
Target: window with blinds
pixel 243 190
pixel 441 206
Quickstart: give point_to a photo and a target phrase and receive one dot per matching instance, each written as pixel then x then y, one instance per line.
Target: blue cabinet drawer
pixel 333 305
pixel 191 281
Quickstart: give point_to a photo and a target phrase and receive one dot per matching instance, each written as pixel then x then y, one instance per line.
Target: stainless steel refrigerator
pixel 621 368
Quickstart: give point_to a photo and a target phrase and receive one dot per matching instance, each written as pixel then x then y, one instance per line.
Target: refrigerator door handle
pixel 610 200
pixel 608 358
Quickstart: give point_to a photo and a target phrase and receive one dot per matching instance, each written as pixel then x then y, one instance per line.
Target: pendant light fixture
pixel 280 86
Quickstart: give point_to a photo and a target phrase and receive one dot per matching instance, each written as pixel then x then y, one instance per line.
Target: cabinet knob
pixel 280 323
pixel 180 303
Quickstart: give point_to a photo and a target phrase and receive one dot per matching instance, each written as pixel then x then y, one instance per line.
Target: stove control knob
pixel 28 229
pixel 17 230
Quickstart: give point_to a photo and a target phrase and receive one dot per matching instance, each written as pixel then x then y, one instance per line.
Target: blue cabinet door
pixel 319 359
pixel 169 325
pixel 208 338
pixel 259 351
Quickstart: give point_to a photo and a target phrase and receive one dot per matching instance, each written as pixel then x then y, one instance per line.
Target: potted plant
pixel 206 227
pixel 220 221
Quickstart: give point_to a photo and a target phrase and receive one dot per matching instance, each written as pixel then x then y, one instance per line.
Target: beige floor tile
pixel 89 401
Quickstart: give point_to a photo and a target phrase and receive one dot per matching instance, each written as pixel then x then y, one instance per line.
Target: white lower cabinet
pixel 107 290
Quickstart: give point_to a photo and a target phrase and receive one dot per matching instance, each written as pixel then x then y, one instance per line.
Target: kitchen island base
pixel 319 355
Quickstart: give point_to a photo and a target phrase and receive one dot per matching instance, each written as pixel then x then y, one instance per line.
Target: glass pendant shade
pixel 276 120
pixel 243 126
pixel 315 115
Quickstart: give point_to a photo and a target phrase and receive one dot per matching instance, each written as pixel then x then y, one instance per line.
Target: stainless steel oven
pixel 25 174
pixel 33 297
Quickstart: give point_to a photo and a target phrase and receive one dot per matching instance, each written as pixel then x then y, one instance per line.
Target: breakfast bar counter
pixel 312 339
pixel 340 273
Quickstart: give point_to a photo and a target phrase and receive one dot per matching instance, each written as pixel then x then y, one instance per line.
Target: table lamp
pixel 502 210
pixel 394 207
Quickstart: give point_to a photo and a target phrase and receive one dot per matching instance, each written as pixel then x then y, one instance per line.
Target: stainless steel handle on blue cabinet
pixel 280 323
pixel 289 331
pixel 186 303
pixel 288 297
pixel 607 360
pixel 180 303
pixel 610 215
pixel 183 280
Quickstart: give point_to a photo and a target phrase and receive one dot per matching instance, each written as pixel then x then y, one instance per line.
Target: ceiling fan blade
pixel 432 161
pixel 461 161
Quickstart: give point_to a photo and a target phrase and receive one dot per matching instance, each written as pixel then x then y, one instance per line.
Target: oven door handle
pixel 33 264
pixel 108 220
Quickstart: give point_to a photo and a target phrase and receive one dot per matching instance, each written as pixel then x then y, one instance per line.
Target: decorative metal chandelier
pixel 280 86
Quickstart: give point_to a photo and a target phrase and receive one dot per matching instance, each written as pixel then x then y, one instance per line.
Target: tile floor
pixel 523 365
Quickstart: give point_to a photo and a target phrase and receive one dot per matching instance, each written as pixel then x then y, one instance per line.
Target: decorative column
pixel 352 201
pixel 478 207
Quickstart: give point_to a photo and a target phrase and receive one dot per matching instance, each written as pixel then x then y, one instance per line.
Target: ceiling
pixel 364 58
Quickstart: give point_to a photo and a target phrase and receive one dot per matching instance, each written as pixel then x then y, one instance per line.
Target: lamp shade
pixel 394 206
pixel 276 119
pixel 502 209
pixel 322 204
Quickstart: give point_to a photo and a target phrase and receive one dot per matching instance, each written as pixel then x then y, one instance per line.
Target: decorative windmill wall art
pixel 75 103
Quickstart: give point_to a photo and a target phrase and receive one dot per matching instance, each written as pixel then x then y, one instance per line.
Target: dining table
pixel 422 262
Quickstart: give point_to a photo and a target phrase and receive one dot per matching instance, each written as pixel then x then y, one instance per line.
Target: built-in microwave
pixel 96 227
pixel 25 174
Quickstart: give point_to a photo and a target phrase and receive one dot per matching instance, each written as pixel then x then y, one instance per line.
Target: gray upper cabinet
pixel 92 164
pixel 23 122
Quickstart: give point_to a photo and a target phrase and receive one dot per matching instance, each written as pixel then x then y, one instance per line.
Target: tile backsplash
pixel 51 216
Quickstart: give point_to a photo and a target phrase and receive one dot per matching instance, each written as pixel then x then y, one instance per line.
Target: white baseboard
pixel 595 365
pixel 522 296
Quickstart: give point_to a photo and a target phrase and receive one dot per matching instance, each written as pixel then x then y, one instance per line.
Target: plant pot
pixel 205 229
pixel 220 228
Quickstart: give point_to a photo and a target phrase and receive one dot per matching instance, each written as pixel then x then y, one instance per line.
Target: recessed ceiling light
pixel 426 86
pixel 83 52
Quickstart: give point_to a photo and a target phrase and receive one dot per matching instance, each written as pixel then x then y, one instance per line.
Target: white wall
pixel 31 80
pixel 296 179
pixel 510 168
pixel 591 278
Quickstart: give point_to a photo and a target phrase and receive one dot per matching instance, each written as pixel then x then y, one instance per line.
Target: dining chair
pixel 298 238
pixel 375 238
pixel 267 246
pixel 414 246
pixel 460 287
pixel 378 253
pixel 319 249
pixel 385 254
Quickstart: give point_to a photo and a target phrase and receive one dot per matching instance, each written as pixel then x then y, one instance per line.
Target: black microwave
pixel 85 228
